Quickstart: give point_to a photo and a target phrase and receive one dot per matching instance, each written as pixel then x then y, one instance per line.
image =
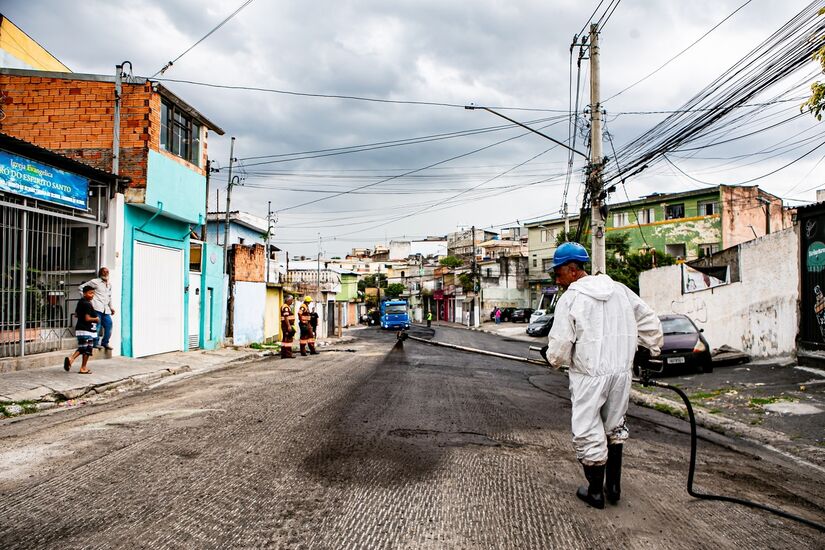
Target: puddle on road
pixel 18 462
pixel 136 418
pixel 792 408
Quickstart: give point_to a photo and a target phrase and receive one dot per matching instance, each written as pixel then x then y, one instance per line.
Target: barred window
pixel 180 134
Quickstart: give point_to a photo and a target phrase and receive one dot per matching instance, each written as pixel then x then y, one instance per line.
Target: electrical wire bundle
pixel 706 116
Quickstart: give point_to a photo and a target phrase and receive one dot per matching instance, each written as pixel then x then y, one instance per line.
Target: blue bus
pixel 394 314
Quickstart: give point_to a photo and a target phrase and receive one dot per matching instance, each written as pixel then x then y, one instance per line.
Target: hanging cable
pixel 207 35
pixel 672 59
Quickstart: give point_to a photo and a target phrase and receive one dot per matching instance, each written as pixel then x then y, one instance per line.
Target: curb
pixel 727 426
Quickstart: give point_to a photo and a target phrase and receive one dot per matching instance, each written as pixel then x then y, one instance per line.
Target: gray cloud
pixel 489 52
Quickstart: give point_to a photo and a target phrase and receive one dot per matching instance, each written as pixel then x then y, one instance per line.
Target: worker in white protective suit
pixel 598 326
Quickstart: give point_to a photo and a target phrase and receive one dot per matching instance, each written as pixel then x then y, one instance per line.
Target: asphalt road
pixel 420 447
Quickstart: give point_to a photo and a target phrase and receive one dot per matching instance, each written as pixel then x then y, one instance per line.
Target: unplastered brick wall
pixel 76 118
pixel 249 263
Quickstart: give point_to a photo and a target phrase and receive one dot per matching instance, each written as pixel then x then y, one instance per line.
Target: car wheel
pixel 707 367
pixel 637 372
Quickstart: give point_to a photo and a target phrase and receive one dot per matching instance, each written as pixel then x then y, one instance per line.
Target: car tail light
pixel 699 347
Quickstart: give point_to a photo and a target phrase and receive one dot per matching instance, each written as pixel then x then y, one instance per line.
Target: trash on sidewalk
pixel 727 355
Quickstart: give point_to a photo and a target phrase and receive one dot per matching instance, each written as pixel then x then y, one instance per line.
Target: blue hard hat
pixel 570 252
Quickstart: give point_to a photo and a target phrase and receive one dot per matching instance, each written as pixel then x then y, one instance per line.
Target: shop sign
pixel 816 257
pixel 28 178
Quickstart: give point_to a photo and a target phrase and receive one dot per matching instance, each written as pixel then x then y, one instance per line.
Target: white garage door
pixel 157 300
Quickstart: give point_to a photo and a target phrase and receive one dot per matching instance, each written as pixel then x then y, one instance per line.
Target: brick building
pixel 172 285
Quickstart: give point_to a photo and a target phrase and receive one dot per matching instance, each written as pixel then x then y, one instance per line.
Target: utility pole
pixel 472 320
pixel 229 183
pixel 206 212
pixel 268 233
pixel 597 161
pixel 217 210
pixel 318 274
pixel 116 135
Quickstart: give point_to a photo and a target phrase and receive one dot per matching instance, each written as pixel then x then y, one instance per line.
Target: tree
pixel 378 280
pixel 625 266
pixel 451 262
pixel 467 281
pixel 816 103
pixel 394 290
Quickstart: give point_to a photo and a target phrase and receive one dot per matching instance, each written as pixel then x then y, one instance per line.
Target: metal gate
pixel 36 310
pixel 157 303
pixel 812 278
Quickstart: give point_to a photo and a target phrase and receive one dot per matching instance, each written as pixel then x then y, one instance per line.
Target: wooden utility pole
pixel 597 159
pixel 205 227
pixel 229 184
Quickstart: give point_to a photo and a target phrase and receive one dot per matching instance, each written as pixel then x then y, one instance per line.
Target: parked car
pixel 506 313
pixel 685 346
pixel 541 327
pixel 521 315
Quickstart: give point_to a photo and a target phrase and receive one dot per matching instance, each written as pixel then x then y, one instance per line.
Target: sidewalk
pixel 780 404
pixel 513 331
pixel 48 387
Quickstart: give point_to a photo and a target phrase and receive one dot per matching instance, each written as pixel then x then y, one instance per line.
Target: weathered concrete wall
pixel 692 232
pixel 759 314
pixel 743 214
pixel 249 312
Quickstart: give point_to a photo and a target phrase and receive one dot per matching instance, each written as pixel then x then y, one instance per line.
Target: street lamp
pixel 472 107
pixel 598 236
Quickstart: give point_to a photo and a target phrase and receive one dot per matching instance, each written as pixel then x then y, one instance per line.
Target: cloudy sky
pixel 513 55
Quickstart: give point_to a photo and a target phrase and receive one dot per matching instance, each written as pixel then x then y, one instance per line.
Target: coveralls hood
pixel 598 287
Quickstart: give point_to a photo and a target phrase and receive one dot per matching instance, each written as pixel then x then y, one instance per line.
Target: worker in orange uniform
pixel 287 328
pixel 305 324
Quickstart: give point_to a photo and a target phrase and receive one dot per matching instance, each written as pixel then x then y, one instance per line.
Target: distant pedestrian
pixel 102 304
pixel 287 328
pixel 429 318
pixel 85 331
pixel 313 320
pixel 304 324
pixel 498 315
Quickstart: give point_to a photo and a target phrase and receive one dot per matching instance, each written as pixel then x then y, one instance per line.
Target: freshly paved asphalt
pixel 419 447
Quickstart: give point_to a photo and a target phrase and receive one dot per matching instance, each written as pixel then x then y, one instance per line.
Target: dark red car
pixel 685 346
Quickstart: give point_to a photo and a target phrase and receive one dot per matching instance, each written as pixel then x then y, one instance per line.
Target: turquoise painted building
pixel 173 283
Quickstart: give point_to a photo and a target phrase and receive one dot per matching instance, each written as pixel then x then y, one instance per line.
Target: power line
pixel 411 171
pixel 772 172
pixel 349 97
pixel 207 35
pixel 336 151
pixel 601 23
pixel 785 52
pixel 666 63
pixel 589 19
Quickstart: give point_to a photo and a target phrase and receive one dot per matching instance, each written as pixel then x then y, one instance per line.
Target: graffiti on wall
pixel 692 306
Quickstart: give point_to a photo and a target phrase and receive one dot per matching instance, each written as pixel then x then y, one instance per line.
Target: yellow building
pixel 19 51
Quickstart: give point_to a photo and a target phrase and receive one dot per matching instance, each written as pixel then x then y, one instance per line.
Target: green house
pixel 696 223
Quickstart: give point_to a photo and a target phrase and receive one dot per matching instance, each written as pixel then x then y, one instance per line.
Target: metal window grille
pixel 37 300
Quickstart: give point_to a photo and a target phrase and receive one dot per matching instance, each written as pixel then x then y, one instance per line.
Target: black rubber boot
pixel 312 349
pixel 613 474
pixel 593 492
pixel 303 350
